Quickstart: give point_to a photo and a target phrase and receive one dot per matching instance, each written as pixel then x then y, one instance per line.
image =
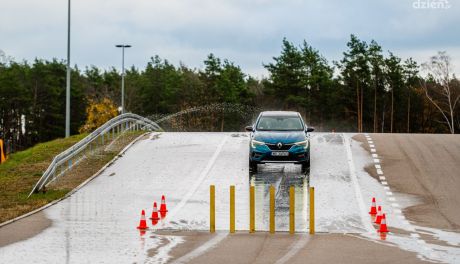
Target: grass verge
pixel 23 169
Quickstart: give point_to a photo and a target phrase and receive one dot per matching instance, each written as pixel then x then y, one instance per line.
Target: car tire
pixel 252 166
pixel 306 165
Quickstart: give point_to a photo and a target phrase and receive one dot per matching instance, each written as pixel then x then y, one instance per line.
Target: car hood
pixel 274 137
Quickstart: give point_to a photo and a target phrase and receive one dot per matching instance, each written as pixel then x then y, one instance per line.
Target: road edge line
pixel 354 179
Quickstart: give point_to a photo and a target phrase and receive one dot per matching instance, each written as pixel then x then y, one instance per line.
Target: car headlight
pixel 255 143
pixel 303 144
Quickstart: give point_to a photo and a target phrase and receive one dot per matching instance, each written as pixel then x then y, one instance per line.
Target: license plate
pixel 280 153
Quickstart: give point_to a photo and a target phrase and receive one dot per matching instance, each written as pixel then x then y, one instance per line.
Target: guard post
pixel 312 210
pixel 212 208
pixel 272 209
pixel 232 209
pixel 252 214
pixel 291 210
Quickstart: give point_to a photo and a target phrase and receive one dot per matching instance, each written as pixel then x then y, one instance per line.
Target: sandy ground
pixel 427 166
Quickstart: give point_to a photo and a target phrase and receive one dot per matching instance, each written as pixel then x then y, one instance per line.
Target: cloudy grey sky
pixel 247 32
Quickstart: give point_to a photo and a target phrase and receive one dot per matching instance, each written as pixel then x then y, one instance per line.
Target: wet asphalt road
pixel 98 223
pixel 282 177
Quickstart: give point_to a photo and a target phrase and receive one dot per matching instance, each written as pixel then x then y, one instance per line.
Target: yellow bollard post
pixel 252 214
pixel 212 208
pixel 272 209
pixel 291 210
pixel 232 209
pixel 312 210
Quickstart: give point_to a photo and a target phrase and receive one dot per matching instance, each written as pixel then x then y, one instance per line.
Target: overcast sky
pixel 247 32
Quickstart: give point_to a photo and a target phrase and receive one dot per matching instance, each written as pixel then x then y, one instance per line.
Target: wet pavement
pixel 98 223
pixel 282 177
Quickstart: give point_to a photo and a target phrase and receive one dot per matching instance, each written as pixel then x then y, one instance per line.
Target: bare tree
pixel 439 89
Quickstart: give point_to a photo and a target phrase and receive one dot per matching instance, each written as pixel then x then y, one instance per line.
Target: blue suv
pixel 279 137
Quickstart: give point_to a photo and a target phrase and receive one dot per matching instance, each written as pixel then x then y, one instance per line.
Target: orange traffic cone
pixel 142 223
pixel 383 225
pixel 373 207
pixel 155 212
pixel 163 205
pixel 378 219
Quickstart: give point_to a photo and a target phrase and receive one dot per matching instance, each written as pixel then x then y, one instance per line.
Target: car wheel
pixel 253 167
pixel 306 165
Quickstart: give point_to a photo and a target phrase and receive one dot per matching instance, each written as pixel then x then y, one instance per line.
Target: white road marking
pixel 359 197
pixel 299 244
pixel 397 211
pixel 199 180
pixel 201 249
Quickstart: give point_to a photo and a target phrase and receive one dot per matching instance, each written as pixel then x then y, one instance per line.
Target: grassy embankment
pixel 23 169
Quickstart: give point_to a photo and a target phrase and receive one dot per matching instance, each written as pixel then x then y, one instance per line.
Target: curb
pixel 79 186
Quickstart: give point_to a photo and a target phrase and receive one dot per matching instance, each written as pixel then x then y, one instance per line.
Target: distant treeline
pixel 366 91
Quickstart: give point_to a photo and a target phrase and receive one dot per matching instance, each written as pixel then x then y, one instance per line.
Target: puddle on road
pixel 282 177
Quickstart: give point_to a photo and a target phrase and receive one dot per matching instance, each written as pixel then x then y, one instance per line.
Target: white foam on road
pixel 339 208
pixel 359 197
pixel 98 223
pixel 198 181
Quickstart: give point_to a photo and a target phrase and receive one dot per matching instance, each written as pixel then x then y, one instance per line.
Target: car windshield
pixel 280 123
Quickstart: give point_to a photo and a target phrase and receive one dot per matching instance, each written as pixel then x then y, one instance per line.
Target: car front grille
pixel 283 146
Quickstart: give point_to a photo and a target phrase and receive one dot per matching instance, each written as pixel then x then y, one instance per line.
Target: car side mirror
pixel 249 129
pixel 310 129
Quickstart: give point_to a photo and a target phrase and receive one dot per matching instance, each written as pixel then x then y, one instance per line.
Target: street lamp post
pixel 67 90
pixel 122 46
